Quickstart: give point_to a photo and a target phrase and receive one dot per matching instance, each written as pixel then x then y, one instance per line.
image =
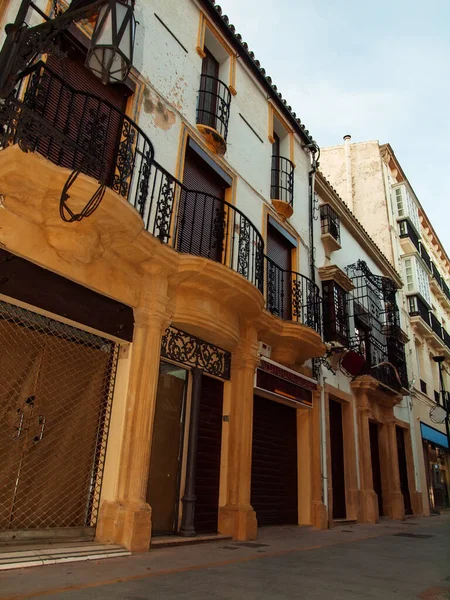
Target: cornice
pixel 334 273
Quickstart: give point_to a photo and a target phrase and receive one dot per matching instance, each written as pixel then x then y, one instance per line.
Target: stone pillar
pixel 395 503
pixel 368 501
pixel 318 510
pixel 237 517
pixel 127 519
pixel 187 528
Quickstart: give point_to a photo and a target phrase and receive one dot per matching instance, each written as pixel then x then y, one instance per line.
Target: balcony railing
pixel 329 222
pixel 446 337
pixel 84 133
pixel 213 107
pixel 436 274
pixel 436 326
pixel 418 308
pixel 282 180
pixel 407 231
pixel 81 132
pixel 292 296
pixel 425 256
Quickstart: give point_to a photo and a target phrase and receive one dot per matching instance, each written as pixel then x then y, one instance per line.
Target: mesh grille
pixel 56 388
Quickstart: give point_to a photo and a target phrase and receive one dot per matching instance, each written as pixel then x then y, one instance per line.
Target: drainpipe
pixel 323 435
pixel 348 171
pixel 313 148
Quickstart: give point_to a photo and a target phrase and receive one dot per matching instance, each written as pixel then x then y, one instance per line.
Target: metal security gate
pixel 56 387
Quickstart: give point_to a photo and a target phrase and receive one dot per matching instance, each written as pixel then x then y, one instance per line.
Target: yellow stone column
pixel 237 517
pixel 395 503
pixel 368 501
pixel 127 520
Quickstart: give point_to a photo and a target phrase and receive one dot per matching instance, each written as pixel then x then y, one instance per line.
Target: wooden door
pixel 337 460
pixel 274 494
pixel 207 478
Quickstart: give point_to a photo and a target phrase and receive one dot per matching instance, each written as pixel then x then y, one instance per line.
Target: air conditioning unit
pixel 264 349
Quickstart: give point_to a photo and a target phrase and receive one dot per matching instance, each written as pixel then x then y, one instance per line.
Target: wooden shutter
pixel 208 456
pixel 201 215
pixel 279 250
pixel 274 494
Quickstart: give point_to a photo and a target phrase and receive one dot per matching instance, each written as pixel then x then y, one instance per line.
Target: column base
pixel 319 515
pixel 396 506
pixel 127 524
pixel 417 503
pixel 367 506
pixel 239 522
pixel 352 504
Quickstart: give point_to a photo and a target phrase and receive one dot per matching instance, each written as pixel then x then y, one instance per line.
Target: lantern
pixel 110 55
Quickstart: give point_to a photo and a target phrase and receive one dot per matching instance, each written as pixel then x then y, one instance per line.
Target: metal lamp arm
pixel 23 43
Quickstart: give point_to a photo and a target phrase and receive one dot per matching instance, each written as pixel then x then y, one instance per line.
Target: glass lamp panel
pixel 103 35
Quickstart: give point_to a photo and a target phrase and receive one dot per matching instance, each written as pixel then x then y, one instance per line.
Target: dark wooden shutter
pixel 208 456
pixel 403 470
pixel 201 216
pixel 88 120
pixel 274 494
pixel 376 467
pixel 337 460
pixel 279 250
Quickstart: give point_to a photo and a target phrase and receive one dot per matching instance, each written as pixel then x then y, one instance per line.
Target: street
pixel 401 560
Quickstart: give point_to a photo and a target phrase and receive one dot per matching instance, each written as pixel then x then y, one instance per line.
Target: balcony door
pixel 201 228
pixel 208 90
pixel 279 277
pixel 275 183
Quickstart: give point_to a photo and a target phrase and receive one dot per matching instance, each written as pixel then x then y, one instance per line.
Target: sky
pixel 378 71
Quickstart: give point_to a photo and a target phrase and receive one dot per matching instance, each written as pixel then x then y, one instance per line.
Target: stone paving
pixel 402 560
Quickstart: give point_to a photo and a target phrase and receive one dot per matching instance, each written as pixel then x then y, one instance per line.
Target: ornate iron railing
pixel 407 231
pixel 329 222
pixel 425 256
pixel 436 326
pixel 282 179
pixel 78 131
pixel 446 337
pixel 213 106
pixel 292 296
pixel 436 273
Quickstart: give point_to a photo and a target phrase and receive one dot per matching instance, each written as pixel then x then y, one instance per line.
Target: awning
pixel 433 435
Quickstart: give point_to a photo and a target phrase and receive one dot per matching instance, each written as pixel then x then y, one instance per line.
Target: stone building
pixel 371 180
pixel 160 300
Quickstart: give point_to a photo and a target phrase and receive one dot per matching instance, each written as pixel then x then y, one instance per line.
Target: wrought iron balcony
pixel 282 180
pixel 73 130
pixel 407 232
pixel 213 107
pixel 292 296
pixel 425 256
pixel 330 222
pixel 436 274
pixel 446 337
pixel 436 326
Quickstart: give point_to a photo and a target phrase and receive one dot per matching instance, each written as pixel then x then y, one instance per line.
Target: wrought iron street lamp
pixel 110 55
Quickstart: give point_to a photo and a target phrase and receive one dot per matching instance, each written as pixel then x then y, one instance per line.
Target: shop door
pixel 167 448
pixel 279 277
pixel 337 460
pixel 207 478
pixel 56 385
pixel 403 470
pixel 274 494
pixel 376 469
pixel 201 228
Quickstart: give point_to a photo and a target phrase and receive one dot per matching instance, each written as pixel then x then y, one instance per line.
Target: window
pixel 409 275
pixel 209 38
pixel 335 320
pixel 412 302
pixel 399 200
pixel 403 228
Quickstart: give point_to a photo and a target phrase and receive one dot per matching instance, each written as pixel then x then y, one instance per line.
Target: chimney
pixel 348 171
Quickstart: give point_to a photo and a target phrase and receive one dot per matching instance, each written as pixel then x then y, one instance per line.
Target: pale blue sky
pixel 379 71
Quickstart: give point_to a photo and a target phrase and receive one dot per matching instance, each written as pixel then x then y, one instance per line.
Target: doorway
pixel 403 469
pixel 167 449
pixel 376 468
pixel 337 460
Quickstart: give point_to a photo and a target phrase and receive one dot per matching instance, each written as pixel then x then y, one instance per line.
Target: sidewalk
pixel 272 542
